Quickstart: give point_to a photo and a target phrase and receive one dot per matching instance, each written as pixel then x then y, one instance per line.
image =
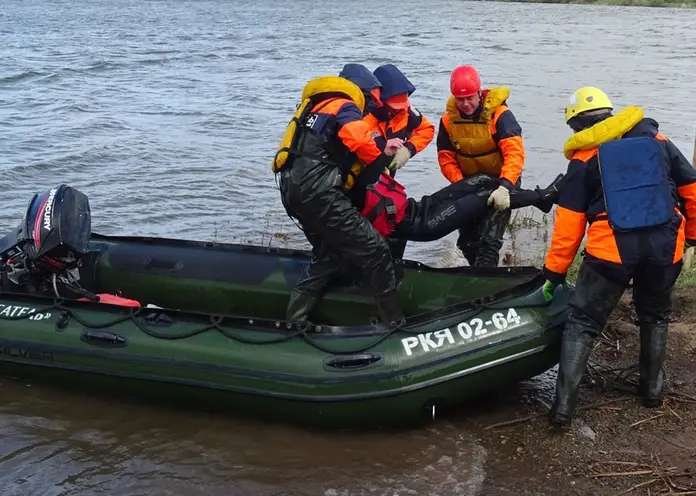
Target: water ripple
pixel 168 113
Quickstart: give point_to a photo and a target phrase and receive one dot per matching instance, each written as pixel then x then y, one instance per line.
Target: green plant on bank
pixel 624 3
pixel 687 277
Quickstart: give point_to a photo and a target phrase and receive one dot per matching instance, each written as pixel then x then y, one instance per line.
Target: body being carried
pixel 461 205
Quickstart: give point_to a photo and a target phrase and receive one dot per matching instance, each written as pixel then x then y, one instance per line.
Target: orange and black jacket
pixel 581 201
pixel 506 133
pixel 345 121
pixel 409 124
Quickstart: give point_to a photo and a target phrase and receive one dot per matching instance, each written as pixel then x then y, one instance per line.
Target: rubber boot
pixel 490 241
pixel 389 309
pixel 590 307
pixel 467 245
pixel 653 346
pixel 543 199
pixel 575 351
pixel 548 196
pixel 299 306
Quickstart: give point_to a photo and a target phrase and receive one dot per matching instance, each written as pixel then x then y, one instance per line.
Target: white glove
pixel 500 198
pixel 401 157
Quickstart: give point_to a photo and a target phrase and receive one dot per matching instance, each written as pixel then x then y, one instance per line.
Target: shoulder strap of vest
pixel 415 118
pixel 451 110
pixel 298 122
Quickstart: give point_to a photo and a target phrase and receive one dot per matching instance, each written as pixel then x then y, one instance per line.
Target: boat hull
pixel 329 375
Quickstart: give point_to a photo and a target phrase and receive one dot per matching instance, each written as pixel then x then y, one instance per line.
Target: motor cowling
pixel 52 237
pixel 57 227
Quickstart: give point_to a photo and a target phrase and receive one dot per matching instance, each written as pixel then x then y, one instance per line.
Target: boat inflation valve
pixel 431 407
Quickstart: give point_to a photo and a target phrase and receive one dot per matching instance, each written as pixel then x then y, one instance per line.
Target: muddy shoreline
pixel 615 446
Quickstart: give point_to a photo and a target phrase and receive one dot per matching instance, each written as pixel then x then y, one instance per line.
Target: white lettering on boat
pixel 17 311
pixel 48 211
pixel 465 332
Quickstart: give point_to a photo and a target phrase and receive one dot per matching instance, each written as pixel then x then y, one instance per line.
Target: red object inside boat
pixel 115 300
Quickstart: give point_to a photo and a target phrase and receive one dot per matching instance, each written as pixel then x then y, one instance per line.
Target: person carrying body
pixel 322 142
pixel 630 184
pixel 478 133
pixel 395 117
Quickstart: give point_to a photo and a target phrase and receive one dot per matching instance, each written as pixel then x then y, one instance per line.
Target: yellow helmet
pixel 584 99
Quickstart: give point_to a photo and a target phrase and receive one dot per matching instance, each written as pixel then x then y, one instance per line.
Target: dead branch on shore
pixel 625 380
pixel 647 419
pixel 537 415
pixel 683 395
pixel 653 473
pixel 638 486
pixel 623 474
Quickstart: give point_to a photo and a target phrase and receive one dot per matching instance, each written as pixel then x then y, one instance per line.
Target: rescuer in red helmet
pixel 479 134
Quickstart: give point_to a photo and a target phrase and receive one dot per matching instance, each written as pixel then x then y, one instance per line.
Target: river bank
pixel 616 446
pixel 688 4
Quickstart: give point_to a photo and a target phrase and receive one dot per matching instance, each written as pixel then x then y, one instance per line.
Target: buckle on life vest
pixel 391 210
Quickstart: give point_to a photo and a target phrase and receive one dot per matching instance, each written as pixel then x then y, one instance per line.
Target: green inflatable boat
pixel 201 324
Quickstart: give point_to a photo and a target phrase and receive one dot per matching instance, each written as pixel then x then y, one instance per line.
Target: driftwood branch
pixel 638 486
pixel 645 420
pixel 536 415
pixel 653 473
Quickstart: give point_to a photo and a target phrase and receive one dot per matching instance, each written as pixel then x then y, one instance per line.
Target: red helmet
pixel 464 81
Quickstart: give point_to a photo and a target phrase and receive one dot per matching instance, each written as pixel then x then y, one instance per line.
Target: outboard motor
pixel 46 249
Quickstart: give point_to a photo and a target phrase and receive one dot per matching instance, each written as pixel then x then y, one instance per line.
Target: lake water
pixel 168 113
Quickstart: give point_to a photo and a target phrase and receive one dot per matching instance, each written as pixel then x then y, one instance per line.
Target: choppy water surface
pixel 167 114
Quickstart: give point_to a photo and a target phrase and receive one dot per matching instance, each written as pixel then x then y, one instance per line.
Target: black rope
pixel 216 324
pixel 80 320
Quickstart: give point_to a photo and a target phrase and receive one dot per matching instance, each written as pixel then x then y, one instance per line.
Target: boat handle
pixel 63 321
pixel 158 319
pixel 104 338
pixel 158 263
pixel 352 362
